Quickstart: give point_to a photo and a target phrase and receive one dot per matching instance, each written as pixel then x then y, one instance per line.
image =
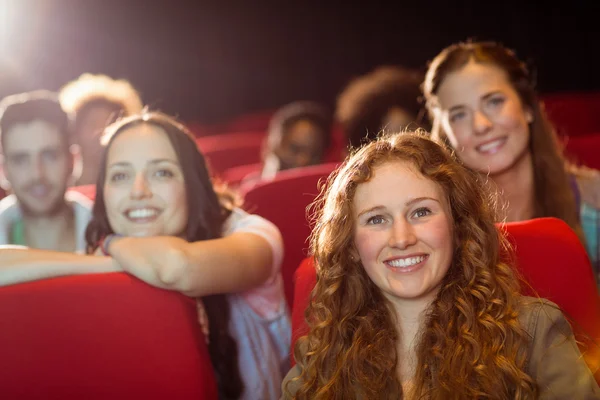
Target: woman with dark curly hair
pixel 385 99
pixel 413 297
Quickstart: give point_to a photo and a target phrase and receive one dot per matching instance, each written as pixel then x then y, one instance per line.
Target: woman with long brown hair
pixel 158 217
pixel 483 103
pixel 413 299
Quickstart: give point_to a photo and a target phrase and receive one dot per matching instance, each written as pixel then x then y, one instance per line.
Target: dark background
pixel 208 61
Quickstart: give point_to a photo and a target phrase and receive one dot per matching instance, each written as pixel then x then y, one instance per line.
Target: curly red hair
pixel 471 343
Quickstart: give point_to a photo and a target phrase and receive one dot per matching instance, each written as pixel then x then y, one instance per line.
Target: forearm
pixel 24 265
pixel 233 264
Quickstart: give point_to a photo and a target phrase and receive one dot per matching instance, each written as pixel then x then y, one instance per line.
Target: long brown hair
pixel 207 213
pixel 471 343
pixel 552 189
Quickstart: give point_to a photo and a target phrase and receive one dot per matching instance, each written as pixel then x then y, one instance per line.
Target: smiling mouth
pixel 142 215
pixel 406 262
pixel 491 147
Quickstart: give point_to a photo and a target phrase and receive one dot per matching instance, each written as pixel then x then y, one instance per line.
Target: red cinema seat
pixel 226 151
pixel 284 201
pixel 552 261
pixel 574 113
pixel 258 121
pixel 103 336
pixel 236 175
pixel 583 149
pixel 88 191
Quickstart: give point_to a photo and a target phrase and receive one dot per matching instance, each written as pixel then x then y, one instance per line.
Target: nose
pixel 403 234
pixel 481 123
pixel 38 170
pixel 140 188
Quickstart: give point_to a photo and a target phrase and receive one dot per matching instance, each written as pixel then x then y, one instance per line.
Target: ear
pixel 4 182
pixel 528 115
pixel 354 256
pixel 76 163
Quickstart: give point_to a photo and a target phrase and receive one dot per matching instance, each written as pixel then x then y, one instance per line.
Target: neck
pixel 51 232
pixel 517 190
pixel 410 319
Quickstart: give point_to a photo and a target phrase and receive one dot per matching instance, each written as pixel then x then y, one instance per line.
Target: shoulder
pixel 242 222
pixel 79 201
pixel 9 211
pixel 291 384
pixel 554 360
pixel 533 311
pixel 588 184
pixel 9 206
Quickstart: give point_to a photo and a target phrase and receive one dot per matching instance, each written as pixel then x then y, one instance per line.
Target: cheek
pixel 175 195
pixel 440 237
pixel 368 244
pixel 459 134
pixel 112 197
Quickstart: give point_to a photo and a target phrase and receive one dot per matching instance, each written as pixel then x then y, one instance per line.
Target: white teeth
pixel 142 213
pixel 491 145
pixel 406 262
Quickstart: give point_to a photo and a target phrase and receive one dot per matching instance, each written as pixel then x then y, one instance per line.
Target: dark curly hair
pixel 364 103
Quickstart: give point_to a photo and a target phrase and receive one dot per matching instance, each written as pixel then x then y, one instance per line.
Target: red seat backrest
pixel 210 143
pixel 549 256
pixel 257 120
pixel 583 149
pixel 226 151
pixel 103 336
pixel 283 201
pixel 87 190
pixel 235 176
pixel 573 114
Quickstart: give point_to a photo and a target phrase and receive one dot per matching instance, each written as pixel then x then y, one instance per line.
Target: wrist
pixel 106 243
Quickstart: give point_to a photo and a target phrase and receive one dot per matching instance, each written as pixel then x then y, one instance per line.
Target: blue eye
pixel 164 173
pixel 118 176
pixel 375 220
pixel 457 116
pixel 496 101
pixel 422 212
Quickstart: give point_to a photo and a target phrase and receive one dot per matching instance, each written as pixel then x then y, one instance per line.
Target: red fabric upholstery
pixel 209 143
pixel 234 176
pixel 106 336
pixel 574 113
pixel 584 149
pixel 550 258
pixel 283 201
pixel 87 190
pixel 231 150
pixel 256 121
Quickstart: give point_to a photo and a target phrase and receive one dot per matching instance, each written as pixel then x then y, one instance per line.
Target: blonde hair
pixel 89 88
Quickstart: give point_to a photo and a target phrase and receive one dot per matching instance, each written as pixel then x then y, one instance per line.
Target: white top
pixel 260 321
pixel 10 212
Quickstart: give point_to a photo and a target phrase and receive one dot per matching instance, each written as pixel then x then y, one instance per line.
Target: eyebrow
pixel 485 97
pixel 155 161
pixel 407 204
pixel 27 153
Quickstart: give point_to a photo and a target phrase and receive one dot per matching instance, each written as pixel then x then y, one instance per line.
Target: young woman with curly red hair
pixel 414 297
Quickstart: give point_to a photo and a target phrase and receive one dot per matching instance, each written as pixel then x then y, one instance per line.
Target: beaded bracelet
pixel 106 242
